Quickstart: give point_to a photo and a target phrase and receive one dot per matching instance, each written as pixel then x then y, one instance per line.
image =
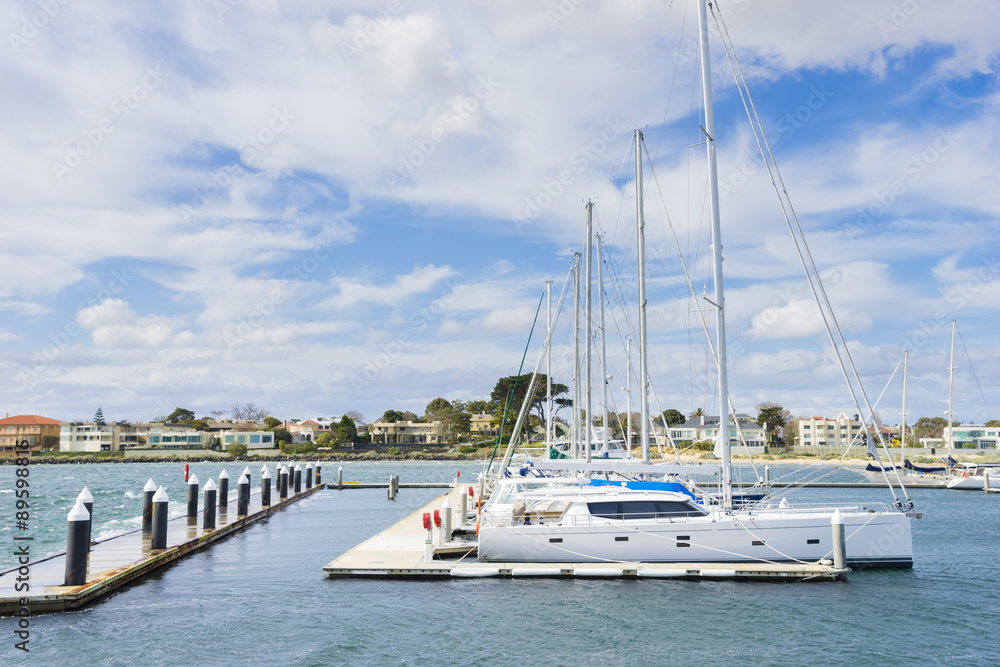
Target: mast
pixel 628 394
pixel 902 436
pixel 576 356
pixel 588 374
pixel 548 364
pixel 722 443
pixel 641 249
pixel 604 342
pixel 951 392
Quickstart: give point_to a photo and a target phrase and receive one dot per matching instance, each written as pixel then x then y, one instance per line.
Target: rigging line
pixel 813 278
pixel 510 395
pixel 548 341
pixel 673 77
pixel 701 314
pixel 973 368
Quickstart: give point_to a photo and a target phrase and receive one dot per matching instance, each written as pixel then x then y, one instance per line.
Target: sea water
pixel 260 596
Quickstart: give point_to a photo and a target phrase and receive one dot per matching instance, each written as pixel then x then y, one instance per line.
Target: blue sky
pixel 322 207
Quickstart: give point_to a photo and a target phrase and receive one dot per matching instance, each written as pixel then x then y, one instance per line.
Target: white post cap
pixel 193 479
pixel 223 474
pixel 85 496
pixel 243 479
pixel 150 486
pixel 79 512
pixel 160 496
pixel 836 519
pixel 210 485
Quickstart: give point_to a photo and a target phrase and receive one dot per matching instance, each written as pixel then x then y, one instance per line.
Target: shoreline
pixel 411 456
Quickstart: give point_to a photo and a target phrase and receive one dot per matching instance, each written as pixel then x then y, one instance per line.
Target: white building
pixel 705 428
pixel 824 432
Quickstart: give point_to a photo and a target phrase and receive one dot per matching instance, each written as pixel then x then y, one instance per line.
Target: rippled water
pixel 260 597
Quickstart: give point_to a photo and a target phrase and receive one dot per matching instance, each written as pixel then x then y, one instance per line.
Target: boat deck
pixel 399 551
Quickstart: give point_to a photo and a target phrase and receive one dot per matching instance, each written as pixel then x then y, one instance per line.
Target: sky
pixel 329 206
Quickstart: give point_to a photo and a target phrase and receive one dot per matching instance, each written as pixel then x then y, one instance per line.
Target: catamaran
pixel 585 510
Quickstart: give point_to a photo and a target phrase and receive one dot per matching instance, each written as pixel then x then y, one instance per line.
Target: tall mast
pixel 604 343
pixel 902 436
pixel 641 232
pixel 548 364
pixel 588 374
pixel 722 444
pixel 628 394
pixel 576 356
pixel 951 392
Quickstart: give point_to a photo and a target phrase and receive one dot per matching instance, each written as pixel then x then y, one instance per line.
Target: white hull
pixel 908 479
pixel 974 482
pixel 873 539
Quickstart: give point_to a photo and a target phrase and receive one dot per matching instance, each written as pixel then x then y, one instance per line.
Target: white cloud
pixel 419 281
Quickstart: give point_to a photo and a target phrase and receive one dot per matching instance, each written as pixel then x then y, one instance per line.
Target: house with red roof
pixel 30 429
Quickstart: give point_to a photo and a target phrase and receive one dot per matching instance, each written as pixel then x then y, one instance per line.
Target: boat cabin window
pixel 644 509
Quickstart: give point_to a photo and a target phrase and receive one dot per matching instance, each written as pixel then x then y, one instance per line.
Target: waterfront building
pixel 407 433
pixel 31 428
pixel 967 436
pixel 705 428
pixel 252 439
pixel 825 432
pixel 480 426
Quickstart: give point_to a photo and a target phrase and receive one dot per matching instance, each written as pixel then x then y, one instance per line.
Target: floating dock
pixel 119 560
pixel 401 551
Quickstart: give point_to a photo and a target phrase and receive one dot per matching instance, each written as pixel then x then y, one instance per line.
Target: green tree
pixel 930 427
pixel 480 407
pixel 271 423
pixel 462 423
pixel 772 417
pixel 99 417
pixel 179 416
pixel 673 417
pixel 282 435
pixel 513 389
pixel 50 442
pixel 993 423
pixel 237 449
pixel 697 413
pixel 345 431
pixel 438 404
pixel 392 416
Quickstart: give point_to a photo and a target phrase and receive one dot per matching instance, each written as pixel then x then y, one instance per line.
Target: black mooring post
pixel 318 482
pixel 223 489
pixel 309 475
pixel 77 545
pixel 159 539
pixel 147 505
pixel 88 502
pixel 298 478
pixel 192 505
pixel 265 488
pixel 208 523
pixel 242 496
